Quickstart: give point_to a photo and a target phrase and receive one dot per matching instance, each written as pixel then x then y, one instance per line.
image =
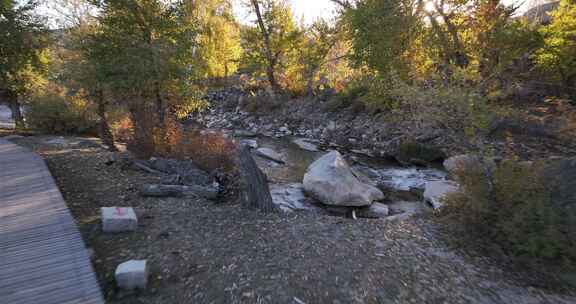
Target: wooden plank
pixel 42 255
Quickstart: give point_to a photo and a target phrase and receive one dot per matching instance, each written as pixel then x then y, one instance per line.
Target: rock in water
pixel 330 180
pixel 466 162
pixel 270 154
pixel 436 191
pixel 305 144
pixel 132 274
pixel 376 210
pixel 250 143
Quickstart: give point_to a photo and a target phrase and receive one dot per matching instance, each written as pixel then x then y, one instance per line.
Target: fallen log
pixel 254 186
pixel 156 190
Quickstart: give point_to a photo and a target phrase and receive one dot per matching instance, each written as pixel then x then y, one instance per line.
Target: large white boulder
pixel 132 274
pixel 436 191
pixel 330 180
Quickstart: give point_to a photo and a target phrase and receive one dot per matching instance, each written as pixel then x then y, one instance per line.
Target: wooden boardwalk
pixel 42 255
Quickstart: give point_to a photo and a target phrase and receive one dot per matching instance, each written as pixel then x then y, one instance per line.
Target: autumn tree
pixel 144 51
pixel 382 32
pixel 272 43
pixel 219 50
pixel 558 55
pixel 23 59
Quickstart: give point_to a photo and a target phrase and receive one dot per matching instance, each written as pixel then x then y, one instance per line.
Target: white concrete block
pixel 132 274
pixel 118 219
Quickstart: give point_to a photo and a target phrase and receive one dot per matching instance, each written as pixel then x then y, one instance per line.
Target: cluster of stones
pixel 132 274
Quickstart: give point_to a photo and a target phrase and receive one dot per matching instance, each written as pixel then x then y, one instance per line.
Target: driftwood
pixel 155 190
pixel 142 165
pixel 255 189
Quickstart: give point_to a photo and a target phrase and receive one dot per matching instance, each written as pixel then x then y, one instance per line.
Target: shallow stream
pixel 285 179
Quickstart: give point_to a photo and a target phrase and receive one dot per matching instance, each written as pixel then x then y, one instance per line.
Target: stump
pixel 255 191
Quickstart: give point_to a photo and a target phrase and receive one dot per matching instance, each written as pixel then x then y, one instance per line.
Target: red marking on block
pixel 119 211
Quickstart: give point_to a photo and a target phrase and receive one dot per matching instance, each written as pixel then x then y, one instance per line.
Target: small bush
pixel 210 151
pixel 55 112
pixel 347 97
pixel 514 209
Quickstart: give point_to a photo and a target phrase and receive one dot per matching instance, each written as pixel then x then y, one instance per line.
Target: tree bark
pixel 15 108
pixel 255 189
pixel 103 127
pixel 159 104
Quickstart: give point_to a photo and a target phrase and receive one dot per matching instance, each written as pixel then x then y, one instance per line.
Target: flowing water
pixel 285 179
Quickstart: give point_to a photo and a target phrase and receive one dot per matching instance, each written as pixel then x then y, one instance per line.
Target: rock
pixel 123 159
pixel 305 144
pixel 155 190
pixel 330 180
pixel 132 274
pixel 57 141
pixel 188 172
pixel 376 210
pixel 118 219
pixel 560 177
pixel 331 126
pixel 465 162
pixel 244 133
pixel 405 207
pixel 270 155
pixel 290 197
pixel 435 192
pixel 250 143
pixel 12 137
pixel 283 129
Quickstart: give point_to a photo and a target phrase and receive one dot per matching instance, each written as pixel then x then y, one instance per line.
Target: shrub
pixel 515 209
pixel 56 112
pixel 210 151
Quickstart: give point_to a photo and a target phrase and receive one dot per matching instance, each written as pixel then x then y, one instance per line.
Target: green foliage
pixel 23 58
pixel 456 107
pixel 143 50
pixel 284 39
pixel 518 213
pixel 494 39
pixel 219 48
pixel 559 50
pixel 56 112
pixel 382 33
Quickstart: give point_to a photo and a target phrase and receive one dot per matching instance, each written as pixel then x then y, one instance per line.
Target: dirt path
pixel 202 252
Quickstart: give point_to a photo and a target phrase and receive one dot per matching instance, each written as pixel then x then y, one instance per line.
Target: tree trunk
pixel 15 108
pixel 159 103
pixel 255 189
pixel 103 127
pixel 268 51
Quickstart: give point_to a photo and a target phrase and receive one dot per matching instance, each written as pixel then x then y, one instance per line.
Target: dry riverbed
pixel 206 252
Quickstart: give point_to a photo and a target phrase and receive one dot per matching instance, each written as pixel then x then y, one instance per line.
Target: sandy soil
pixel 218 252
